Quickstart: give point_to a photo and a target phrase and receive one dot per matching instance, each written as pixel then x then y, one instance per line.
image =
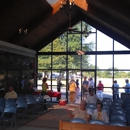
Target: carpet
pixel 52 117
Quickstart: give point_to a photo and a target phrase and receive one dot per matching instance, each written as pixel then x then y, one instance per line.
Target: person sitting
pixel 99 114
pixel 92 98
pixel 30 89
pixel 80 112
pixel 11 93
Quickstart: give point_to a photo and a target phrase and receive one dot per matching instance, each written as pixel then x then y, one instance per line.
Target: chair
pixel 118 111
pixel 118 100
pixel 107 99
pixel 31 105
pixel 116 103
pixel 10 100
pixel 117 117
pixel 91 106
pixel 105 102
pixel 1 111
pixel 106 106
pixel 106 110
pixel 2 99
pixel 39 103
pixel 117 123
pixel 114 107
pixel 95 121
pixel 77 120
pixel 9 115
pixel 21 109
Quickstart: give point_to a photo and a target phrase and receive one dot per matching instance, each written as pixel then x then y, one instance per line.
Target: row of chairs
pixel 94 121
pixel 114 109
pixel 10 108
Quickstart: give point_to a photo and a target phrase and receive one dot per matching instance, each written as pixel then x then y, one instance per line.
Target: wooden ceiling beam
pixel 110 22
pixel 90 19
pixel 54 35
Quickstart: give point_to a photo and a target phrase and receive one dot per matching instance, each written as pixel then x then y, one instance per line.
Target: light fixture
pixel 79 52
pixel 23 31
pixel 67 3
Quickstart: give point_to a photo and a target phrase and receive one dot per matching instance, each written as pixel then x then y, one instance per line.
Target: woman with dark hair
pixel 99 114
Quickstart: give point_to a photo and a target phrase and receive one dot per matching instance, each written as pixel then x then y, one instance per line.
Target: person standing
pixel 127 86
pixel 44 86
pixel 85 87
pixel 91 83
pixel 100 88
pixel 77 89
pixel 115 89
pixel 72 90
pixel 59 84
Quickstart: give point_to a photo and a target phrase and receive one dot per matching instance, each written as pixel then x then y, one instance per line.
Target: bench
pixel 81 126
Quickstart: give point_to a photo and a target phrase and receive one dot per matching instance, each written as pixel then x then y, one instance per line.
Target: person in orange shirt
pixel 72 90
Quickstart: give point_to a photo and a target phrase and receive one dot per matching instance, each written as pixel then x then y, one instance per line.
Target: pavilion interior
pixel 33 24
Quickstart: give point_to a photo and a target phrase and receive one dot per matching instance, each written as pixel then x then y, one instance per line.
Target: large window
pixel 100 61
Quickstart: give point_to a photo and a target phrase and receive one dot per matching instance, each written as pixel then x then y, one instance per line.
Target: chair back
pixel 116 103
pixel 117 117
pixel 117 123
pixel 90 106
pixel 106 110
pixel 107 99
pixel 77 120
pixel 94 121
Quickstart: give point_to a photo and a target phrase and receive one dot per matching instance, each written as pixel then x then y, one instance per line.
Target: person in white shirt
pixel 10 94
pixel 91 83
pixel 92 98
pixel 100 114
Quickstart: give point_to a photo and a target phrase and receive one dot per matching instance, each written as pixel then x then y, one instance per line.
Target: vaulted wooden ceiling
pixel 43 20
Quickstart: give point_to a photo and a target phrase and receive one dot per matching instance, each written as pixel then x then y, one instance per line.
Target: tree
pixel 60 45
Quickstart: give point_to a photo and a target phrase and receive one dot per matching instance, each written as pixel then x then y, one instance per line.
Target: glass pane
pixel 120 76
pixel 46 48
pixel 118 46
pixel 74 42
pixel 122 61
pixel 74 62
pixel 26 62
pixel 3 79
pixel 14 79
pixel 44 61
pixel 104 61
pixel 59 44
pixel 89 42
pixel 59 62
pixel 3 59
pixel 88 61
pixel 14 61
pixel 106 78
pixel 41 74
pixel 104 43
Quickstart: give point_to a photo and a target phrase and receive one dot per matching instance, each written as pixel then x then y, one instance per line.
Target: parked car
pixel 53 76
pixel 39 76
